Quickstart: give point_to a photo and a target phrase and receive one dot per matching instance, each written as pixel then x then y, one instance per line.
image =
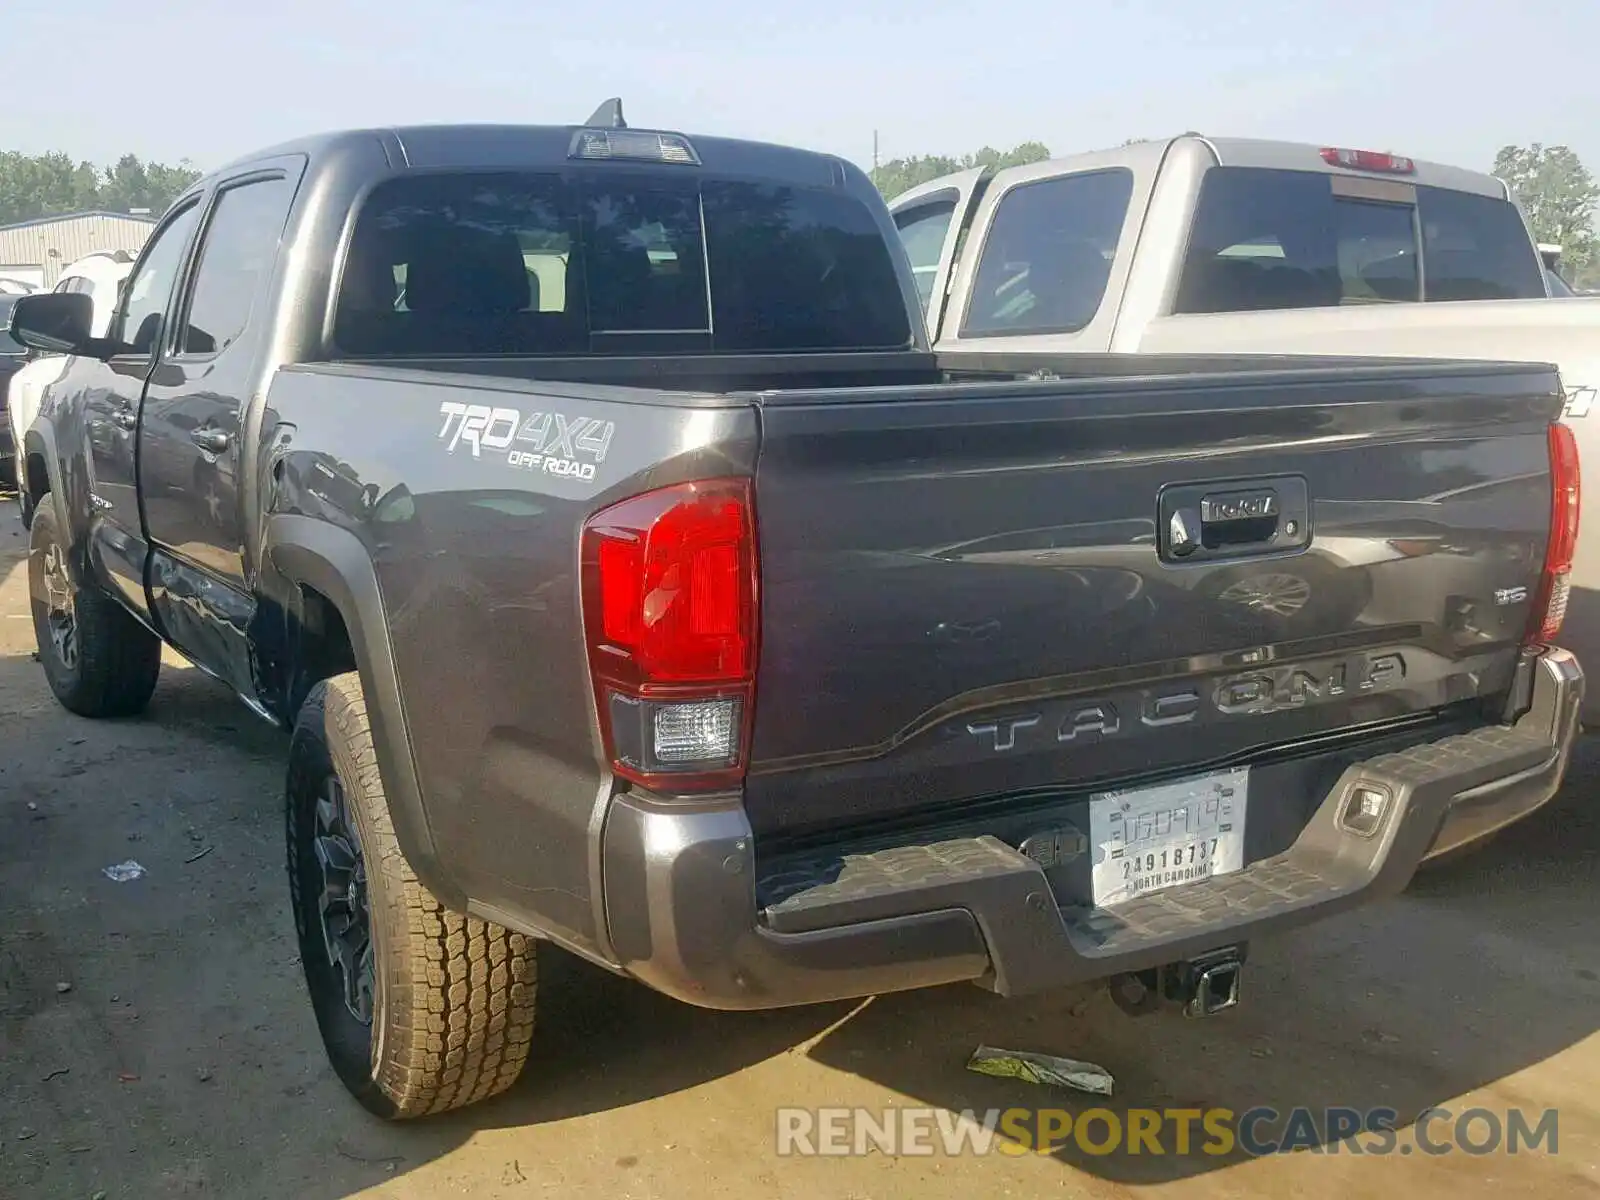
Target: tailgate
pixel 973 590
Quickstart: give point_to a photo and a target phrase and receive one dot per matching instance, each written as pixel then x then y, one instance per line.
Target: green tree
pixel 45 185
pixel 902 174
pixel 1558 195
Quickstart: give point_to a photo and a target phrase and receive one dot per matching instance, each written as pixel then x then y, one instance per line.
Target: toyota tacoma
pixel 635 579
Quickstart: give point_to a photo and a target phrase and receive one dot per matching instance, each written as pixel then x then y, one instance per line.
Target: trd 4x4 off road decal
pixel 548 442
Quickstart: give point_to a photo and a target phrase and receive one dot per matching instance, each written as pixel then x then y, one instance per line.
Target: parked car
pixel 13 355
pixel 98 276
pixel 636 609
pixel 1228 245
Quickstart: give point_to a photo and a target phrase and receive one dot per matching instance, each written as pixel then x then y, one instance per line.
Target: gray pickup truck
pixel 635 579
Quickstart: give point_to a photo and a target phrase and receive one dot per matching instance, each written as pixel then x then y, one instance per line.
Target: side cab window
pixel 148 295
pixel 1046 259
pixel 237 251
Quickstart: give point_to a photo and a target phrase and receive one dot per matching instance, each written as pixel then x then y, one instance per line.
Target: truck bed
pixel 964 591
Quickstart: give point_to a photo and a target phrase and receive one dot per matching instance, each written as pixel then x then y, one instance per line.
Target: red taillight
pixel 1550 605
pixel 670 608
pixel 1368 160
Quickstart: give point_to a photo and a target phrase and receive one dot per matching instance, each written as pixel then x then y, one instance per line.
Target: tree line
pixel 1555 189
pixel 44 185
pixel 1559 195
pixel 902 174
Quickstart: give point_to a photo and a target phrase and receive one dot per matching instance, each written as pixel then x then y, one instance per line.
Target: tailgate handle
pixel 1239 518
pixel 1232 519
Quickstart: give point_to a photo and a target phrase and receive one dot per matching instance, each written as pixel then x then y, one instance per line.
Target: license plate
pixel 1147 839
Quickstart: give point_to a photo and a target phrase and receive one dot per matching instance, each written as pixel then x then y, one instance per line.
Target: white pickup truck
pixel 1198 244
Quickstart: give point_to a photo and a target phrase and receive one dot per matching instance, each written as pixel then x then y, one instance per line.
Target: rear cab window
pixel 1270 239
pixel 1046 258
pixel 1476 248
pixel 572 262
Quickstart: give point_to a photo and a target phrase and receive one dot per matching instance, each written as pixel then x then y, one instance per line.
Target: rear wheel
pixel 421 1009
pixel 99 661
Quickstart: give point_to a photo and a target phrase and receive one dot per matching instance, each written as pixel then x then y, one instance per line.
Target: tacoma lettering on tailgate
pixel 1252 693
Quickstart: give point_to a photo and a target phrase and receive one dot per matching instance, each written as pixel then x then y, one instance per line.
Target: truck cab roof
pixel 1239 152
pixel 491 146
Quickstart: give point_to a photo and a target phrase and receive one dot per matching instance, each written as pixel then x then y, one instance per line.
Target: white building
pixel 35 252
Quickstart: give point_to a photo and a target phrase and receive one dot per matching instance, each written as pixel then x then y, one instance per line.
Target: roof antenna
pixel 608 115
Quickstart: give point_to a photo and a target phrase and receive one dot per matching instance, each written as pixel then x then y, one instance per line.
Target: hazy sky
pixel 1451 80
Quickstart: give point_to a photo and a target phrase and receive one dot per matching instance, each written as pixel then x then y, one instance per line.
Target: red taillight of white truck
pixel 671 616
pixel 1550 605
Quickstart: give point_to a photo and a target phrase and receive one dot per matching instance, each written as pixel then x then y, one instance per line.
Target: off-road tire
pixel 453 996
pixel 118 659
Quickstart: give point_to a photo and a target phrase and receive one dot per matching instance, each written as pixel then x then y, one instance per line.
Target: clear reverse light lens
pixel 1555 613
pixel 1364 811
pixel 702 731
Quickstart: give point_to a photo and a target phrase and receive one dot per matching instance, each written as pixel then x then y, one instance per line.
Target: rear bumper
pixel 1556 714
pixel 683 917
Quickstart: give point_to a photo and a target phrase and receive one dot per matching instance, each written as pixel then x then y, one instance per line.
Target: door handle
pixel 212 441
pixel 124 418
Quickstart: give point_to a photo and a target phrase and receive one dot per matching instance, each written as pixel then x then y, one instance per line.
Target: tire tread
pixel 461 1015
pixel 119 660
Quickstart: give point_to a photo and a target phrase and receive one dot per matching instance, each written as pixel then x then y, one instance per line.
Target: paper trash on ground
pixel 1044 1069
pixel 123 871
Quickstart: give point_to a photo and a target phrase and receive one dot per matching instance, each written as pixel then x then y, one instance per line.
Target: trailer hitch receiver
pixel 1207 985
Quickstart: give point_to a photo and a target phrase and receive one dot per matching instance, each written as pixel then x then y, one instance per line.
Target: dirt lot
pixel 154 1040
